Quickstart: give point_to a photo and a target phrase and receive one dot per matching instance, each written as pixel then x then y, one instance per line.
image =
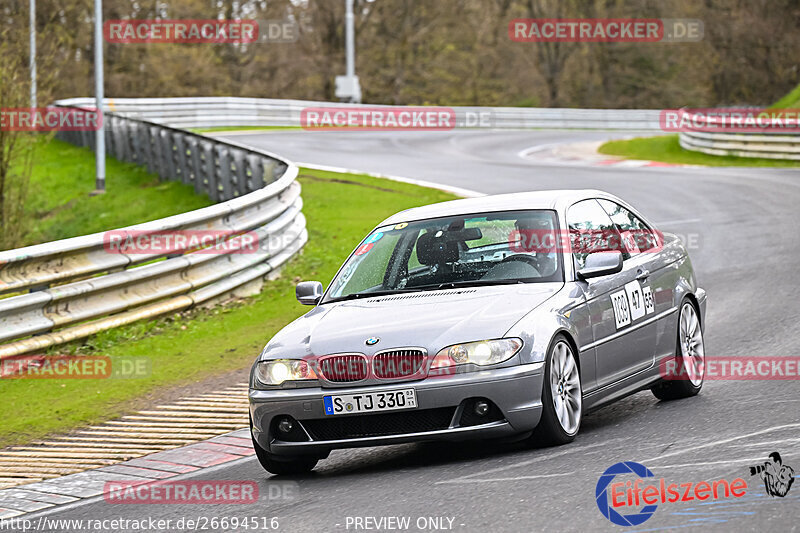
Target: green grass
pixel 183 349
pixel 59 204
pixel 242 128
pixel 790 101
pixel 667 150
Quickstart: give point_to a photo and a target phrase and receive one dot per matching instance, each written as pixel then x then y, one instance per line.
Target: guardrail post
pixel 196 173
pixel 168 156
pixel 143 155
pixel 254 173
pixel 225 183
pixel 209 170
pixel 180 159
pixel 238 173
pixel 267 172
pixel 119 148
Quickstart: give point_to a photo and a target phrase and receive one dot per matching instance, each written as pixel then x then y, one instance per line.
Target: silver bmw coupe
pixel 500 316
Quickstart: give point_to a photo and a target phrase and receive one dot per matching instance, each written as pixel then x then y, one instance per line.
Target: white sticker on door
pixel 622 312
pixel 649 303
pixel 634 290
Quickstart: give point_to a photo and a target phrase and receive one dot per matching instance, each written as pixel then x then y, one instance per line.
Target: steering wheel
pixel 533 261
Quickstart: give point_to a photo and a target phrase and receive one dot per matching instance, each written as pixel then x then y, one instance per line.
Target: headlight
pixel 280 370
pixel 481 353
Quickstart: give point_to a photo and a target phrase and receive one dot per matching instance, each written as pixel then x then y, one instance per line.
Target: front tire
pixel 562 396
pixel 283 466
pixel 689 356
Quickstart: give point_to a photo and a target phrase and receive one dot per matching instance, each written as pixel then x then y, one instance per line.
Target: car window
pixel 372 258
pixel 505 247
pixel 636 236
pixel 588 223
pixel 501 236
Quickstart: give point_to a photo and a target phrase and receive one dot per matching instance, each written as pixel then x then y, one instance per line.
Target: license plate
pixel 370 402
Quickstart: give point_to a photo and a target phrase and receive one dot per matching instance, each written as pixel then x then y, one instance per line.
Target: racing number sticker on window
pixel 622 313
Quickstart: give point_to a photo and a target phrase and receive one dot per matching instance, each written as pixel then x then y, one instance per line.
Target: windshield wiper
pixel 359 295
pixel 469 283
pixel 431 287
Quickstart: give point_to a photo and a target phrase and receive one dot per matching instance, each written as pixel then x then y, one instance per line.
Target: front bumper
pixel 515 391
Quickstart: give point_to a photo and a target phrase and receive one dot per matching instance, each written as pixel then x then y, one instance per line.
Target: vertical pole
pixel 100 139
pixel 350 41
pixel 33 51
pixel 347 86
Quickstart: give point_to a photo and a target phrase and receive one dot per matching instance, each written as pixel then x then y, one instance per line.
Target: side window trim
pixel 625 254
pixel 568 224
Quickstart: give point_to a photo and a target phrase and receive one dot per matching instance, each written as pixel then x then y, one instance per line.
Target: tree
pixel 16 148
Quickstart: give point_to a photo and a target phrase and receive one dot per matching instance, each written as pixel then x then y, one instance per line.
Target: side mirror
pixel 601 264
pixel 309 292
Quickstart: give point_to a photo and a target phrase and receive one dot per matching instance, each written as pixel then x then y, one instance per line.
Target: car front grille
pixel 360 426
pixel 344 368
pixel 397 363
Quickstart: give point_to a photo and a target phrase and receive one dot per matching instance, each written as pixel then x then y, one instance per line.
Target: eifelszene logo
pixel 602 496
pixel 778 477
pixel 615 496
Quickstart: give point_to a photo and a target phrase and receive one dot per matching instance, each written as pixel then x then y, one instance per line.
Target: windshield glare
pixel 446 252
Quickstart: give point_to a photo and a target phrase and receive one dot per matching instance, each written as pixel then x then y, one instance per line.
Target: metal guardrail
pixel 770 145
pixel 78 288
pixel 208 112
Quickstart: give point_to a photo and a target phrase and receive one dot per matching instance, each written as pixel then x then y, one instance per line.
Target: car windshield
pixel 442 253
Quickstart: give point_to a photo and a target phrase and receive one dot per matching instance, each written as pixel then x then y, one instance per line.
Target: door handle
pixel 642 274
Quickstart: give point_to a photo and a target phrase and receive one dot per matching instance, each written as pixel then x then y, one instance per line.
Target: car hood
pixel 429 319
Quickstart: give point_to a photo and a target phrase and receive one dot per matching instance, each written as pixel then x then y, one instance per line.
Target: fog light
pixel 285 425
pixel 481 408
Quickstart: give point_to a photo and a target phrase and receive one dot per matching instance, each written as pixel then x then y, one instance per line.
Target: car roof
pixel 550 199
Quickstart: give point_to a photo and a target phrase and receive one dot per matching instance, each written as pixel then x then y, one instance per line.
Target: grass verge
pixel 791 100
pixel 186 348
pixel 667 150
pixel 59 205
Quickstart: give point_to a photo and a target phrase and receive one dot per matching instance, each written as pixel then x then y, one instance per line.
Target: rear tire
pixel 562 397
pixel 283 466
pixel 689 358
